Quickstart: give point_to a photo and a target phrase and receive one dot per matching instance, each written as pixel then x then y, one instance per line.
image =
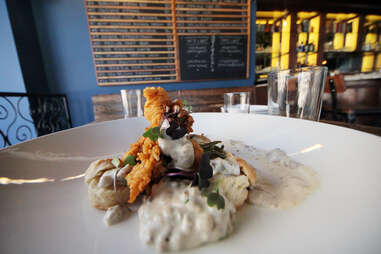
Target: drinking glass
pixel 238 102
pixel 297 93
pixel 133 103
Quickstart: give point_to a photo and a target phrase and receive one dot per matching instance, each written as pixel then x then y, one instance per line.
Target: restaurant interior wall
pixel 11 80
pixel 64 40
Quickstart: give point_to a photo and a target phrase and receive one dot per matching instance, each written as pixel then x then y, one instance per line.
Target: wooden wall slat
pixel 210 3
pixel 212 27
pixel 212 15
pixel 137 82
pixel 131 58
pixel 130 20
pixel 210 22
pixel 127 7
pixel 133 46
pixel 248 38
pixel 129 14
pixel 129 33
pixel 202 34
pixel 133 27
pixel 139 70
pixel 135 39
pixel 137 76
pixel 212 9
pixel 132 1
pixel 131 52
pixel 176 42
pixel 142 64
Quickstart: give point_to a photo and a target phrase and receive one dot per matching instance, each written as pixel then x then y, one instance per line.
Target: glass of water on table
pixel 297 93
pixel 237 102
pixel 132 102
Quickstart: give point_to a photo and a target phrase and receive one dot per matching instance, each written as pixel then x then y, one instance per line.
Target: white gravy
pixel 282 182
pixel 107 178
pixel 177 217
pixel 180 150
pixel 228 166
pixel 115 214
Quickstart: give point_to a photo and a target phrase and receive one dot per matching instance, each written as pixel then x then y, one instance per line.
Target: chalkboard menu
pixel 161 41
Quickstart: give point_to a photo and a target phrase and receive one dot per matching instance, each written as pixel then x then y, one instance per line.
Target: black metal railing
pixel 24 116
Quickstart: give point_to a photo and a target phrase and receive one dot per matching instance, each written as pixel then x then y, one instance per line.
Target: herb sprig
pixel 116 162
pixel 215 199
pixel 187 107
pixel 130 160
pixel 213 150
pixel 153 133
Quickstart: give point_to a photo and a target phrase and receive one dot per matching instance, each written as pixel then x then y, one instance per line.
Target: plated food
pixel 188 187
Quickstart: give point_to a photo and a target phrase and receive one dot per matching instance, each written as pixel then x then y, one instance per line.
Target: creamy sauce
pixel 282 182
pixel 115 214
pixel 180 150
pixel 228 166
pixel 107 178
pixel 177 217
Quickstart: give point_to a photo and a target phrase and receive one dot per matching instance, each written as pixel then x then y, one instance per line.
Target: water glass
pixel 133 102
pixel 238 102
pixel 297 93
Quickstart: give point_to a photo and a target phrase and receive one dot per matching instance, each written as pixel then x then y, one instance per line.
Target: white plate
pixel 343 216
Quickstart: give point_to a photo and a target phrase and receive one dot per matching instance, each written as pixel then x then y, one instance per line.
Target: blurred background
pixel 47 75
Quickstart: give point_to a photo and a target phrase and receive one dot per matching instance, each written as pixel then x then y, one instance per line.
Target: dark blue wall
pixel 64 39
pixel 11 79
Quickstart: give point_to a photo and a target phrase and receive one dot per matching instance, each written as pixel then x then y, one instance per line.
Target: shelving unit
pixel 347 42
pixel 272 36
pixel 371 47
pixel 308 25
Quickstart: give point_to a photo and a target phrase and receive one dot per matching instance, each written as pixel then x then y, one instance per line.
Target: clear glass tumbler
pixel 238 102
pixel 297 93
pixel 133 102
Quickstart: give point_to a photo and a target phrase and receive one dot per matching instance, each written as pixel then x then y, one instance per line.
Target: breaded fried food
pixel 156 101
pixel 147 154
pixel 176 113
pixel 158 104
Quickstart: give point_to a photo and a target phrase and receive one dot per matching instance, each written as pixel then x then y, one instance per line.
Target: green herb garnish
pixel 130 160
pixel 115 161
pixel 215 199
pixel 186 106
pixel 153 133
pixel 213 150
pixel 186 201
